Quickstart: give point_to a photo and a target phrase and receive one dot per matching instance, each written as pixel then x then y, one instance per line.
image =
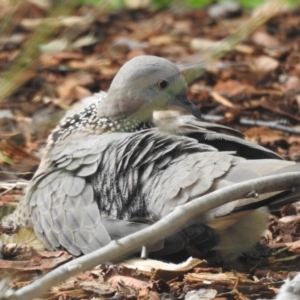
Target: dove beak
pixel 184 102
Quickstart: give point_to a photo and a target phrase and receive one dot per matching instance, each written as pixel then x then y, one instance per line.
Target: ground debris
pixel 254 89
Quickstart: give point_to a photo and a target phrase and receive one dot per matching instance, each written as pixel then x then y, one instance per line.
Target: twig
pixel 10 186
pixel 172 222
pixel 269 124
pixel 243 121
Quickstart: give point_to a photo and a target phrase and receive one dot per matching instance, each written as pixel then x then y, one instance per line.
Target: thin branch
pixel 169 224
pixel 248 122
pixel 270 124
pixel 10 186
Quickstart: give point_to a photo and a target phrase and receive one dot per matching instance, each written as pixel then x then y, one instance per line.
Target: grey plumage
pixel 108 171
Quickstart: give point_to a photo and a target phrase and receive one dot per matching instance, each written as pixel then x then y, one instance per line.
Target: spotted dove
pixel 129 157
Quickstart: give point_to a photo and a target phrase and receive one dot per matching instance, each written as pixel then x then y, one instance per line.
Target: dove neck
pixel 93 119
pixel 125 114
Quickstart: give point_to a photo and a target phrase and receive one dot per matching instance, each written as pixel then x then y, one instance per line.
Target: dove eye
pixel 162 84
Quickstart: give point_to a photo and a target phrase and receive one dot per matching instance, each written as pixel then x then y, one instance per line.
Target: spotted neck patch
pixel 86 119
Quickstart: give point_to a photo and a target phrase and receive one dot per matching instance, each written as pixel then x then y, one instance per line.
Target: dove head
pixel 143 85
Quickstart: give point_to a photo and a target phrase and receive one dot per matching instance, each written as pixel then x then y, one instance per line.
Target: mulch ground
pixel 255 88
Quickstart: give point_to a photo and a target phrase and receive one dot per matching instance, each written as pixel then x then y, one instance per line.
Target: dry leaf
pixel 230 87
pixel 161 40
pixel 264 39
pixel 23 236
pixel 265 64
pixel 55 46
